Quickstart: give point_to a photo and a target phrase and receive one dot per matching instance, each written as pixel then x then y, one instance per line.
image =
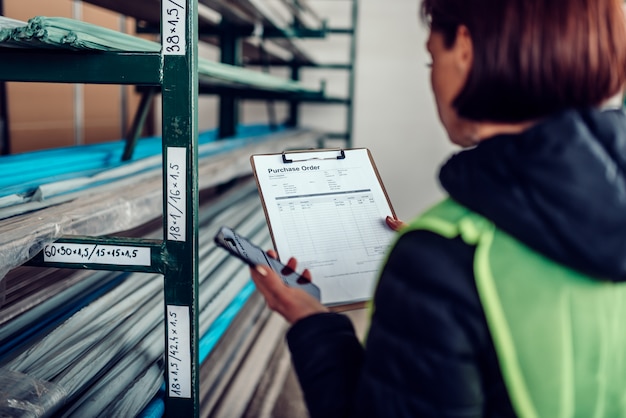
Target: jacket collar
pixel 559 187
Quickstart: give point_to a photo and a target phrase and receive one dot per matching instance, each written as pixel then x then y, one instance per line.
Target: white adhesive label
pixel 176 193
pixel 178 352
pixel 96 254
pixel 174 18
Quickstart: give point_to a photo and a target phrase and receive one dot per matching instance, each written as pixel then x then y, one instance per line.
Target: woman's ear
pixel 464 49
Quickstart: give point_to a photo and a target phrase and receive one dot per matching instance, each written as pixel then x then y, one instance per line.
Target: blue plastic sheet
pixel 23 173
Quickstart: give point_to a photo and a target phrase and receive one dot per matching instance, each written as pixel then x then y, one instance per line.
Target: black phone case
pixel 253 255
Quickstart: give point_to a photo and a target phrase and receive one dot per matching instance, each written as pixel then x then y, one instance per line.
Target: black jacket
pixel 559 187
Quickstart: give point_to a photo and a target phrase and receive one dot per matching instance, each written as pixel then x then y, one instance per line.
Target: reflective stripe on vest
pixel 559 335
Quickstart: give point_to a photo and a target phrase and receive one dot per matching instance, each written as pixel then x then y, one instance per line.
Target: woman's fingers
pixel 292 263
pixel 395 224
pixel 267 281
pixel 292 303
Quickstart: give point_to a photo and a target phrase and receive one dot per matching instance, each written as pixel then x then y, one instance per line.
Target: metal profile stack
pixel 102 356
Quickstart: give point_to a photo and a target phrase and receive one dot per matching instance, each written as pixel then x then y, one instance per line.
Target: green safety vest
pixel 560 336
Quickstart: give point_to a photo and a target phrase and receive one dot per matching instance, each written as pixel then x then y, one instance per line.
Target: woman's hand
pixel 292 303
pixel 395 224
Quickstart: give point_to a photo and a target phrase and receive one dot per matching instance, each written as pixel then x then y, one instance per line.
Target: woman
pixel 505 299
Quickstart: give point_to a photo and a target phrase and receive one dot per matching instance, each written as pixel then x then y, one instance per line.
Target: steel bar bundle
pixel 107 356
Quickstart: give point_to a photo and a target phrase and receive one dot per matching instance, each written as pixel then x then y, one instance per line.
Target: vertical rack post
pixel 180 204
pixel 230 53
pixel 5 144
pixel 294 105
pixel 351 82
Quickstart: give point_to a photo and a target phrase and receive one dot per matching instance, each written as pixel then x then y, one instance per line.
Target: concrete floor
pixel 289 402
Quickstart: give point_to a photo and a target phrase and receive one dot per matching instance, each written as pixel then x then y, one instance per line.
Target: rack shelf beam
pixel 115 253
pixel 63 66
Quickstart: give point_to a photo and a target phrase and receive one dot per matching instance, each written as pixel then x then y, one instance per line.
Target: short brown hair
pixel 535 57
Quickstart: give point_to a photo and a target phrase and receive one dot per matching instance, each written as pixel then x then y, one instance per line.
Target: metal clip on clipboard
pixel 341 156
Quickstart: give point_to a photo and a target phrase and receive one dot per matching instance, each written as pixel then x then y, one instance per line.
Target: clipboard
pixel 327 208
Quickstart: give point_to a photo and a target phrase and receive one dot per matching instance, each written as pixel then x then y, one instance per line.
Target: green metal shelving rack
pixel 175 72
pixel 296 66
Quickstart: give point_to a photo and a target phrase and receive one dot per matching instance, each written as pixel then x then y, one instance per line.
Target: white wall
pixel 395 115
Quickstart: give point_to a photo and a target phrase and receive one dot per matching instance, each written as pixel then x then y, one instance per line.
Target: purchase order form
pixel 329 213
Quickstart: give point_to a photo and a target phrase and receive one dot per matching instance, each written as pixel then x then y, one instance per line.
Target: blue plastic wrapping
pixel 102 196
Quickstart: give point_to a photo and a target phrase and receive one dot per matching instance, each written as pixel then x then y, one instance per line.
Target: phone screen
pixel 251 254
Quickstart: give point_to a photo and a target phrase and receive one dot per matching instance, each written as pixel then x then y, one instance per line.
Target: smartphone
pixel 253 255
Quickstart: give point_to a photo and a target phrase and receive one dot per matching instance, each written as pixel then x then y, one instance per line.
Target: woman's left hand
pixel 394 223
